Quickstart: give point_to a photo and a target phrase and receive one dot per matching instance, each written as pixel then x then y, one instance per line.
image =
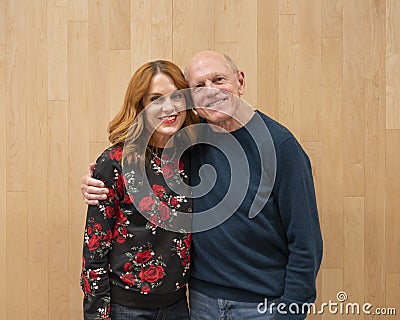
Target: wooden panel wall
pixel 327 69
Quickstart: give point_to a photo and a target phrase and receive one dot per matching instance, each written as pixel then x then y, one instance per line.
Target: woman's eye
pixel 176 96
pixel 156 99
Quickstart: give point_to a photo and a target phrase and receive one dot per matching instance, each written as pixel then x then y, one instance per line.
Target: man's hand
pixel 92 189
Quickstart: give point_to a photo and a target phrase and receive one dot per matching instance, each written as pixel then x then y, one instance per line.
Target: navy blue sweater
pixel 276 254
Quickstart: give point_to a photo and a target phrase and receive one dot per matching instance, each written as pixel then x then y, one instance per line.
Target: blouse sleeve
pixel 97 244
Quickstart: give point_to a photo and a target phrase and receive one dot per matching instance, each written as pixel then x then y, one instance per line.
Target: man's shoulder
pixel 278 132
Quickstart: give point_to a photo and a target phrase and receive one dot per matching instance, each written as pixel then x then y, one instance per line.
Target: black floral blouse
pixel 127 258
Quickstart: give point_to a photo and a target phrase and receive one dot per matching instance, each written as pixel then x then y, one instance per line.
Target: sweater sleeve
pixel 294 189
pixel 97 244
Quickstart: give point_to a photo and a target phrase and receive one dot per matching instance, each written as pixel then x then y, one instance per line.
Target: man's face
pixel 215 87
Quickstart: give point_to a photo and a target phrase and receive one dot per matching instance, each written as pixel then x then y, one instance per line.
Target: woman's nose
pixel 168 106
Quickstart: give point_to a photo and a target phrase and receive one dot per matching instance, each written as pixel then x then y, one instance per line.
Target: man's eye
pixel 219 79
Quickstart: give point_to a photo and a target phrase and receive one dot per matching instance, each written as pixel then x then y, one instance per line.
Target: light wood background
pixel 328 69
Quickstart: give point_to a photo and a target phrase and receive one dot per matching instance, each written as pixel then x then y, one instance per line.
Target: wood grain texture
pixel 268 57
pixel 354 45
pixel 310 70
pixel 161 29
pixel 332 153
pixel 57 37
pixel 38 293
pixel 120 35
pixel 183 27
pixel 78 152
pixel 120 76
pixel 392 296
pixel 58 248
pixel 37 131
pixel 332 18
pixel 17 256
pixel 16 107
pixel 375 144
pixel 246 24
pixel 140 33
pixel 393 65
pixel 99 69
pixel 3 22
pixel 392 203
pixel 3 173
pixel 354 251
pixel 204 25
pixel 289 72
pixel 77 10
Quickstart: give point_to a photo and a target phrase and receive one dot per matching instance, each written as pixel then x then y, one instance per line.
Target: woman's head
pixel 146 88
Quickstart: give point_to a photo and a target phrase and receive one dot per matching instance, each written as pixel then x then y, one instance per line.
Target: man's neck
pixel 235 122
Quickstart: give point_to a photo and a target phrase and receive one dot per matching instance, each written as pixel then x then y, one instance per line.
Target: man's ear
pixel 242 83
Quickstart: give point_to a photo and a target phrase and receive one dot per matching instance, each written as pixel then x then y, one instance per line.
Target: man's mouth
pixel 215 103
pixel 169 119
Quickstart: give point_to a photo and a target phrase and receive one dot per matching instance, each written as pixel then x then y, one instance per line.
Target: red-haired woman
pixel 133 266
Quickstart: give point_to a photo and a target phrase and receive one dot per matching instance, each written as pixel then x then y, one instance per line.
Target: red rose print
pixel 158 190
pixel 86 285
pixel 181 166
pixel 154 220
pixel 115 233
pixel 145 289
pixel 144 256
pixel 146 203
pixel 120 216
pixel 89 230
pixel 151 273
pixel 94 242
pixel 173 202
pixel 108 236
pixel 93 275
pixel 109 212
pixel 121 239
pixel 111 193
pixel 128 199
pixel 128 278
pixel 97 227
pixel 127 267
pixel 124 231
pixel 157 161
pixel 164 211
pixel 188 240
pixel 120 184
pixel 167 171
pixel 116 154
pixel 183 253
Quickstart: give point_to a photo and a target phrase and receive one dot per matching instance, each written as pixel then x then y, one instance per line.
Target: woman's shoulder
pixel 113 153
pixel 109 162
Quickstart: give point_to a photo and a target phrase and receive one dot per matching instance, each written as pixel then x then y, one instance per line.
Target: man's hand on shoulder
pixel 92 189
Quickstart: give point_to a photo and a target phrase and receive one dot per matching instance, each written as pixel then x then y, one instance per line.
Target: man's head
pixel 222 83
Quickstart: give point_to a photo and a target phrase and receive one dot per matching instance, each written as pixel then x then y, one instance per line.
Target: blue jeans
pixel 178 311
pixel 203 307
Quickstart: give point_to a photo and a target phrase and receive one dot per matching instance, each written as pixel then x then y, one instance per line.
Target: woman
pixel 132 268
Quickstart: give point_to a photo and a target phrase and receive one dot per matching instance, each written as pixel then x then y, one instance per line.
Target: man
pixel 244 266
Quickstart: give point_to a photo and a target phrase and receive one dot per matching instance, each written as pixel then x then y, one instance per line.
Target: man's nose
pixel 209 84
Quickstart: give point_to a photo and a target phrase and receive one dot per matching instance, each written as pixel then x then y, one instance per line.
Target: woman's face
pixel 164 115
